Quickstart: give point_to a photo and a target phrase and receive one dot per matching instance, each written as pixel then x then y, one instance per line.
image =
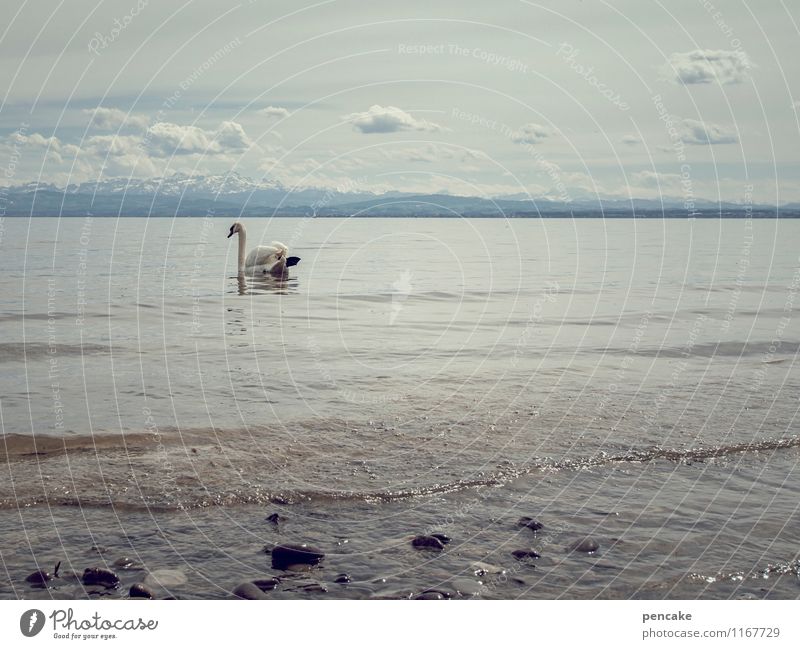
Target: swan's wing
pixel 264 256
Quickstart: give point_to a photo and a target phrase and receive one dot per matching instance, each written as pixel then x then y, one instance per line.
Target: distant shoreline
pixel 638 216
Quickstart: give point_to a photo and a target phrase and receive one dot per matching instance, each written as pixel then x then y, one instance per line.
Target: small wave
pixel 27 351
pixel 187 489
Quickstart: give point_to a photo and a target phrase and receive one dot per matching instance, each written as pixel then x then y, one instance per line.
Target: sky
pixel 571 99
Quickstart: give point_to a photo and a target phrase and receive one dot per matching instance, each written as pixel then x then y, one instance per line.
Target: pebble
pixel 587 545
pixel 442 537
pixel 284 556
pixel 467 587
pixel 126 563
pixel 274 518
pixel 166 578
pixel 140 590
pixel 521 555
pixel 530 523
pixel 435 593
pixel 100 577
pixel 249 590
pixel 269 583
pixel 344 578
pixel 41 577
pixel 480 569
pixel 427 543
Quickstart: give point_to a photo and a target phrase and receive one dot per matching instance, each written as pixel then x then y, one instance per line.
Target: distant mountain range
pixel 234 195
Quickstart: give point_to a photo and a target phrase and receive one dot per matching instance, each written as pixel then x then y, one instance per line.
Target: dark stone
pixel 530 523
pixel 587 545
pixel 140 590
pixel 267 584
pixel 274 518
pixel 126 563
pixel 434 594
pixel 100 577
pixel 249 590
pixel 100 549
pixel 521 555
pixel 41 577
pixel 427 543
pixel 284 556
pixel 342 579
pixel 442 537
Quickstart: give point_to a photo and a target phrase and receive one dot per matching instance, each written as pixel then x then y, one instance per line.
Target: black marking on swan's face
pixel 233 229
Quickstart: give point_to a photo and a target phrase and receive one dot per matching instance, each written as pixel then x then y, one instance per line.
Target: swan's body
pixel 262 260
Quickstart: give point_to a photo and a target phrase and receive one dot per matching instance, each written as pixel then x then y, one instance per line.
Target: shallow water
pixel 633 381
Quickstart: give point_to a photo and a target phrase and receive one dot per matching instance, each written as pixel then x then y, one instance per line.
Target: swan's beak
pixel 230 234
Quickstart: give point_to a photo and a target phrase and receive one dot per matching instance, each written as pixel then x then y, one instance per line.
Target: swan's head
pixel 235 228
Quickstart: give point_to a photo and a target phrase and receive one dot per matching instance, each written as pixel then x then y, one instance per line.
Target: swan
pixel 272 259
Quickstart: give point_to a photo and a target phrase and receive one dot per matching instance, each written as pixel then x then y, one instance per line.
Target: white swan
pixel 262 260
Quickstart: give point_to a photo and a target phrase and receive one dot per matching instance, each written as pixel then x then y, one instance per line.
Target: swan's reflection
pixel 259 284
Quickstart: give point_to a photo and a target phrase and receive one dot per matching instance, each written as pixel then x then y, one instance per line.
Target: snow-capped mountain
pixel 236 195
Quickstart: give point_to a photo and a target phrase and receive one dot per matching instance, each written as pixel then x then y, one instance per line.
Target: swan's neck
pixel 242 244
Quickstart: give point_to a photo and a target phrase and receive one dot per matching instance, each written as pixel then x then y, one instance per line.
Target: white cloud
pixel 708 66
pixel 630 140
pixel 648 178
pixel 112 119
pixel 696 132
pixel 168 139
pixel 388 119
pixel 274 111
pixel 530 134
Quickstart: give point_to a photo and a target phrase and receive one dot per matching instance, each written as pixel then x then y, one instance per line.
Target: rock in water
pixel 274 518
pixel 530 523
pixel 270 583
pixel 100 577
pixel 140 590
pixel 521 555
pixel 427 543
pixel 481 569
pixel 249 590
pixel 467 587
pixel 442 537
pixel 166 578
pixel 284 556
pixel 343 578
pixel 41 577
pixel 587 545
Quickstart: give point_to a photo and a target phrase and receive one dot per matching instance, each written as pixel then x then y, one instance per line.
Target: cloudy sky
pixel 688 98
